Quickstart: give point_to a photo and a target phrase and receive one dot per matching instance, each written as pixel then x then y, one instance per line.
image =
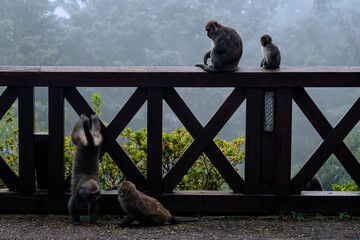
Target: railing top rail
pixel 72 76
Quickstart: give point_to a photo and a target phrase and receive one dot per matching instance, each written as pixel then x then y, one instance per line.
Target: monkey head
pixel 125 187
pixel 265 39
pixel 212 27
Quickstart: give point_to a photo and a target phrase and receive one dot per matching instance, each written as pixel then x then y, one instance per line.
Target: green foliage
pixel 281 215
pixel 297 216
pixel 96 100
pixel 318 216
pixel 9 137
pixel 202 176
pixel 346 187
pixel 344 215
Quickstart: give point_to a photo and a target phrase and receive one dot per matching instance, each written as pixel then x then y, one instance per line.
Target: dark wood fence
pixel 267 188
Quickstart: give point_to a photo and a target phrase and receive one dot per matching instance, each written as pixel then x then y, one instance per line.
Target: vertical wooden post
pixel 26 140
pixel 283 118
pixel 154 140
pixel 41 156
pixel 253 136
pixel 56 140
pixel 276 146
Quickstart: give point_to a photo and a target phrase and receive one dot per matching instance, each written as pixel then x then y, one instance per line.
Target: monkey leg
pixel 128 220
pixel 74 209
pixel 92 211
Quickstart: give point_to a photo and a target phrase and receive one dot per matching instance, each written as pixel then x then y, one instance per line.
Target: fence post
pixel 56 140
pixel 26 140
pixel 154 138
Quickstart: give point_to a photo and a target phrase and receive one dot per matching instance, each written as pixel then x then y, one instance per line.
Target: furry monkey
pixel 272 56
pixel 314 184
pixel 227 50
pixel 138 206
pixel 85 185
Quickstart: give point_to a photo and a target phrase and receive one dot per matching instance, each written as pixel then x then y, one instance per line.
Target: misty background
pixel 171 33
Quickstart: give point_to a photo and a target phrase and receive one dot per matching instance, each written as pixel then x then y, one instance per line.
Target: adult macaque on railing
pixel 227 50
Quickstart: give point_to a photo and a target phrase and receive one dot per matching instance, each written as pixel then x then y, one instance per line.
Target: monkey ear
pixel 216 26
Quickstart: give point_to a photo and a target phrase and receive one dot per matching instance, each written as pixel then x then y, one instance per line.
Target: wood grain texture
pixel 203 140
pixel 323 127
pixel 26 140
pixel 197 202
pixel 56 140
pixel 115 151
pixel 154 140
pixel 326 148
pixel 179 77
pixel 192 124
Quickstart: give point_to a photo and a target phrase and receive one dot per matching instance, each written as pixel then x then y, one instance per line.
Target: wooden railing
pixel 267 188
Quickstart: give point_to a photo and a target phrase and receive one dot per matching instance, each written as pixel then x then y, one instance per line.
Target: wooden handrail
pixel 268 153
pixel 179 77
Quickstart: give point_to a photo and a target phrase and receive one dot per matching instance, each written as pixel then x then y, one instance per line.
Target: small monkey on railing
pixel 272 56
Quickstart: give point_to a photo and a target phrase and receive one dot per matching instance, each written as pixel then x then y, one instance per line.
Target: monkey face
pixel 125 188
pixel 265 40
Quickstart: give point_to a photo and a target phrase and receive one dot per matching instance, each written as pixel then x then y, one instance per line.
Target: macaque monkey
pixel 314 184
pixel 227 50
pixel 138 206
pixel 85 185
pixel 272 56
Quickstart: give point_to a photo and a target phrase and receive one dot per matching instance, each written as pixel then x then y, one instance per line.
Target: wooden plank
pixel 197 202
pixel 253 137
pixel 115 151
pixel 180 77
pixel 56 140
pixel 283 120
pixel 194 127
pixel 8 176
pixel 323 127
pixel 7 98
pixel 326 148
pixel 41 157
pixel 203 140
pixel 26 140
pixel 154 140
pixel 123 117
pixel 127 166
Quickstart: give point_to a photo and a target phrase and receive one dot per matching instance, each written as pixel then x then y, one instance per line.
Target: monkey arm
pixel 207 56
pixel 262 62
pixel 222 45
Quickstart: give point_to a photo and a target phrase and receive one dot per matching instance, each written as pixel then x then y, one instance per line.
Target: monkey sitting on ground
pixel 145 209
pixel 272 56
pixel 227 50
pixel 85 185
pixel 314 184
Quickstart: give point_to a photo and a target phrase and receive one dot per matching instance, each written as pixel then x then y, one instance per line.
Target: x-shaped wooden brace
pixel 203 139
pixel 7 174
pixel 333 140
pixel 113 130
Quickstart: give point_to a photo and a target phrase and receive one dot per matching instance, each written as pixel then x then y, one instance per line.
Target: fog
pixel 171 33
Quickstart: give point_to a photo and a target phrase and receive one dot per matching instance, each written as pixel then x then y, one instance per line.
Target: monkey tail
pixel 214 70
pixel 86 126
pixel 173 220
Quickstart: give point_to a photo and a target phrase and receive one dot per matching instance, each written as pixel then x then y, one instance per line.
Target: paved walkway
pixel 60 227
